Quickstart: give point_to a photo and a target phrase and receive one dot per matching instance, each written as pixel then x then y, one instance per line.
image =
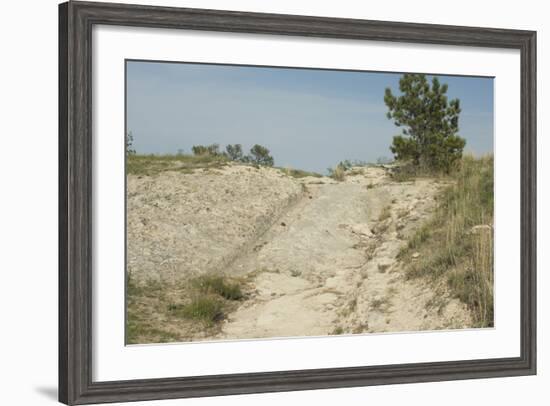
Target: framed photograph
pixel 257 202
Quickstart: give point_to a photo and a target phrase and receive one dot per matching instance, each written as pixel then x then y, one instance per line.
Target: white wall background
pixel 28 200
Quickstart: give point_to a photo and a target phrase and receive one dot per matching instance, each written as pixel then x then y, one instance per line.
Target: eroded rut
pixel 329 266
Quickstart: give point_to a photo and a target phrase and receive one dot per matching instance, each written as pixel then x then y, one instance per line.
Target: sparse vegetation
pixel 298 173
pixel 211 150
pixel 150 165
pixel 347 168
pixel 338 173
pixel 449 250
pixel 407 171
pixel 203 157
pixel 355 172
pixel 219 285
pixel 152 306
pixel 142 300
pixel 419 237
pixel 205 308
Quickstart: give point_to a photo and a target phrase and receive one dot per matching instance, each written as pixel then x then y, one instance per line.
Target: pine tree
pixel 430 123
pixel 234 152
pixel 260 156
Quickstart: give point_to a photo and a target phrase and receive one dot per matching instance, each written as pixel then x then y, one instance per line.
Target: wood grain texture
pixel 63 246
pixel 75 202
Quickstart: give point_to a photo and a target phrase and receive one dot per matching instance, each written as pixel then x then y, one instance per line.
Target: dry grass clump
pixel 219 285
pixel 451 248
pixel 191 307
pixel 205 308
pixel 338 173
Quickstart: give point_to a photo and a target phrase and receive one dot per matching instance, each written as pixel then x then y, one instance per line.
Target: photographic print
pixel 318 187
pixel 269 202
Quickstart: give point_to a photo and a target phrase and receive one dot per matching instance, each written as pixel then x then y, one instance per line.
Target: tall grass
pixel 452 249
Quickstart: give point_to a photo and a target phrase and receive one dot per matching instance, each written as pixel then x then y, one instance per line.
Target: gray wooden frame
pixel 75 202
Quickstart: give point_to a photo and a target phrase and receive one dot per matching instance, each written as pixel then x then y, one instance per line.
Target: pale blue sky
pixel 309 119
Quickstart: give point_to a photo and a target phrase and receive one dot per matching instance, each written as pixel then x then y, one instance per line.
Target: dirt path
pixel 328 266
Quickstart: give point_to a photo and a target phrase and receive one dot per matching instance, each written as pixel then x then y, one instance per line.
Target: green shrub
pixel 259 155
pixel 212 150
pixel 234 152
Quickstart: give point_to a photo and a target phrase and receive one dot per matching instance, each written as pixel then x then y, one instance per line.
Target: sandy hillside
pixel 319 255
pixel 179 225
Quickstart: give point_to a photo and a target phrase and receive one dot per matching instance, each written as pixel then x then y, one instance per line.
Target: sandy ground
pixel 180 225
pixel 329 265
pixel 319 258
